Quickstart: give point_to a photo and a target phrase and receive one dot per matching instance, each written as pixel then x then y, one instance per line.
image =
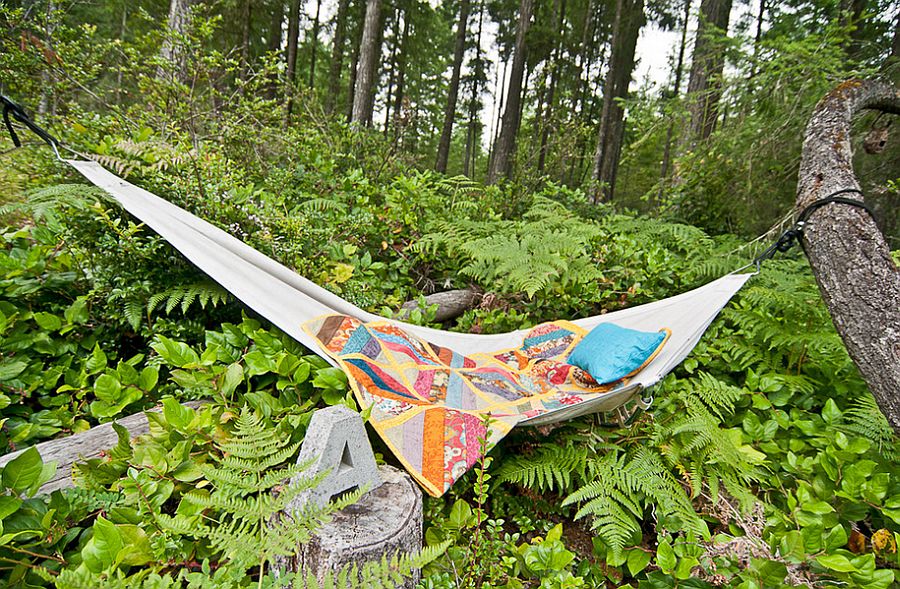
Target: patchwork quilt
pixel 434 406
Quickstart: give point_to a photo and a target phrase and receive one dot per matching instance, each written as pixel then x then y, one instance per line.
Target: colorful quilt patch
pixel 435 408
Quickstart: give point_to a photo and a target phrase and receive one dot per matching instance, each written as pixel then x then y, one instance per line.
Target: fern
pixel 550 468
pixel 205 293
pixel 865 419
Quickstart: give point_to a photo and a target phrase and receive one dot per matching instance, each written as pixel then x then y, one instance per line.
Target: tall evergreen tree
pixel 361 115
pixel 337 55
pixel 293 40
pixel 453 92
pixel 629 19
pixel 504 149
pixel 707 63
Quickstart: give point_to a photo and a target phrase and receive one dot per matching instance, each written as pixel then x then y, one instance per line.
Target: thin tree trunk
pixel 443 153
pixel 337 56
pixel 245 39
pixel 315 46
pixel 469 163
pixel 849 256
pixel 626 27
pixel 389 96
pixel 499 95
pixel 501 164
pixel 353 77
pixel 707 62
pixel 121 68
pixel 293 39
pixel 401 75
pixel 171 50
pixel 760 19
pixel 368 62
pixel 554 76
pixel 275 44
pixel 676 90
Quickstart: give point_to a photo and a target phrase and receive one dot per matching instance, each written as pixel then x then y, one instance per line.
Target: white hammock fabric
pixel 288 300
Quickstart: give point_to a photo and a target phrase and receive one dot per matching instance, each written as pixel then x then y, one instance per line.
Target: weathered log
pixel 849 256
pixel 83 446
pixel 384 522
pixel 451 303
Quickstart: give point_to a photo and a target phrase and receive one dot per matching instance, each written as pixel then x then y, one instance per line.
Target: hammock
pixel 430 390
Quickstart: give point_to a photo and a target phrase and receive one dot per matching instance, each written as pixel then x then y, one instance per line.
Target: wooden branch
pixel 451 303
pixel 849 256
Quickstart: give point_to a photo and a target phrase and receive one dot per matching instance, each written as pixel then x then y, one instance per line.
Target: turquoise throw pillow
pixel 609 352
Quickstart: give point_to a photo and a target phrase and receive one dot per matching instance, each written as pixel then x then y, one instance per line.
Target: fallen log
pixel 451 304
pixel 83 446
pixel 849 256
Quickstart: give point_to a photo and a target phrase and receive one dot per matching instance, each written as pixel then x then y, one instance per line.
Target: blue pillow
pixel 609 352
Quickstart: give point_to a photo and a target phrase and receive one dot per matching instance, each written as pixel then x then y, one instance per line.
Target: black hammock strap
pixel 787 239
pixel 13 111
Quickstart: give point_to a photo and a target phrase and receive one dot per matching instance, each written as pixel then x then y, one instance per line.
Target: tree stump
pixel 386 521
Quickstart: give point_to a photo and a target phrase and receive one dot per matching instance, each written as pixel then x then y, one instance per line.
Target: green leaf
pixel 176 354
pixel 176 414
pixel 107 388
pixel 10 370
pixel 233 377
pixel 836 562
pixel 23 471
pixel 102 550
pixel 149 378
pixel 665 557
pixel 9 505
pixel 830 413
pixel 77 313
pixel 97 361
pixel 638 560
pixel 48 321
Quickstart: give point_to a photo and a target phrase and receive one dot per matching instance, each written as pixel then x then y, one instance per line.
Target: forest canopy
pixel 391 150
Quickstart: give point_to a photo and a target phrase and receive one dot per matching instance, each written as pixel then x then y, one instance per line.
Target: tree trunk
pixel 315 46
pixel 501 163
pixel 337 55
pixel 389 96
pixel 849 256
pixel 626 27
pixel 368 62
pixel 472 131
pixel 707 62
pixel 293 39
pixel 245 39
pixel 274 44
pixel 547 118
pixel 401 76
pixel 171 50
pixel 499 95
pixel 760 19
pixel 676 90
pixel 443 153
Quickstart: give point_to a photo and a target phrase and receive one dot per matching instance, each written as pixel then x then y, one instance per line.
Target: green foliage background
pixel 763 462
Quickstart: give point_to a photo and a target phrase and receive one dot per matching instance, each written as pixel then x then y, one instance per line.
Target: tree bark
pixel 849 256
pixel 293 39
pixel 707 62
pixel 274 44
pixel 245 38
pixel 469 163
pixel 676 89
pixel 459 50
pixel 626 27
pixel 547 118
pixel 337 55
pixel 171 49
pixel 400 121
pixel 368 62
pixel 501 162
pixel 315 46
pixel 451 303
